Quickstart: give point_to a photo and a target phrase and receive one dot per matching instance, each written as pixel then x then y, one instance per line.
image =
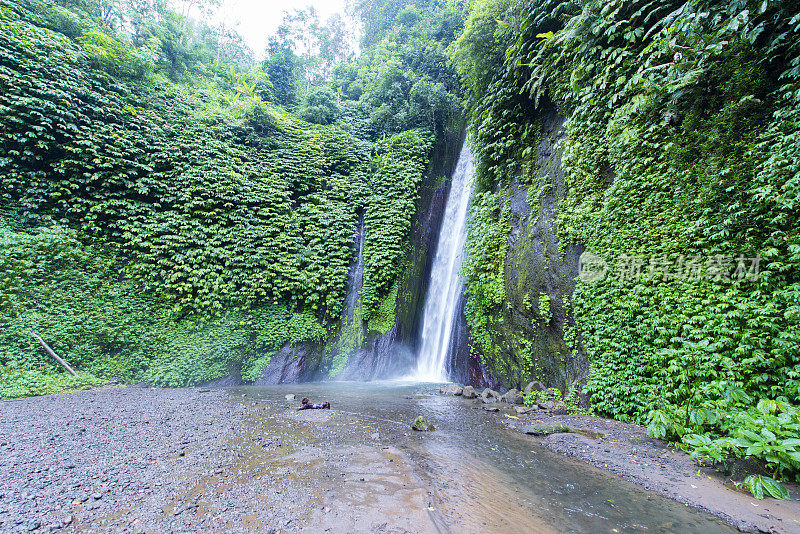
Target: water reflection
pixel 482 471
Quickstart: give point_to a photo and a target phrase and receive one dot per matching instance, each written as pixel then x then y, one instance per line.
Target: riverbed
pixel 245 459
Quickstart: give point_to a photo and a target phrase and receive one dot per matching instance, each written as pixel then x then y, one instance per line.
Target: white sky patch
pixel 256 20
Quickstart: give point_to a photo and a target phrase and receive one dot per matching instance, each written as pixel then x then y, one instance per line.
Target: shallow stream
pixel 472 471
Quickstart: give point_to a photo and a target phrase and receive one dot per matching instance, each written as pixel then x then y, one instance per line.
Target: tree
pixel 320 106
pixel 282 66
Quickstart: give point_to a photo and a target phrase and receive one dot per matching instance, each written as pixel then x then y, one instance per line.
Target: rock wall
pixel 535 326
pixel 536 268
pixel 464 365
pixel 356 354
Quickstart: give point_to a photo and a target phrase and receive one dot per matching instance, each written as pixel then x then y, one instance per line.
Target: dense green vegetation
pixel 681 151
pixel 173 211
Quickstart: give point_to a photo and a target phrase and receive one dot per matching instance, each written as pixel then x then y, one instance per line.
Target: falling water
pixel 356 275
pixel 445 284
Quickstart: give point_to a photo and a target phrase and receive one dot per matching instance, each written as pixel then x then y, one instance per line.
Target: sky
pixel 255 20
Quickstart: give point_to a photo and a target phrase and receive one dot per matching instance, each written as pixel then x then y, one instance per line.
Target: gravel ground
pixel 110 458
pixel 204 460
pixel 127 459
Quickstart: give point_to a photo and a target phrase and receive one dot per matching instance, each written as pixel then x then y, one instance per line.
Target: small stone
pixel 490 408
pixel 451 389
pixel 97 496
pixel 422 425
pixel 291 397
pixel 522 410
pixel 66 520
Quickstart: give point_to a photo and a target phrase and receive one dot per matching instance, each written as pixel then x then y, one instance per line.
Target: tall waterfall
pixel 445 284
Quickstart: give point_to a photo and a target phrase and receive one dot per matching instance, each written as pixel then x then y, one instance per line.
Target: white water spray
pixel 445 284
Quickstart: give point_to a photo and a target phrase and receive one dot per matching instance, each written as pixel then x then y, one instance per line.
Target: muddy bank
pixel 245 460
pixel 627 451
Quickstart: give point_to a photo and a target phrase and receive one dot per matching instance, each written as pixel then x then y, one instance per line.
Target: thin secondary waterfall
pixel 445 284
pixel 356 275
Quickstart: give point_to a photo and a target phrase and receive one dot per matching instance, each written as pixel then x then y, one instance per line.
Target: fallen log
pixel 50 351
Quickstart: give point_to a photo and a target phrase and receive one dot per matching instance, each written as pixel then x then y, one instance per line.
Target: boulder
pixel 451 389
pixel 533 386
pixel 421 424
pixel 489 396
pixel 469 392
pixel 546 405
pixel 512 396
pixel 522 410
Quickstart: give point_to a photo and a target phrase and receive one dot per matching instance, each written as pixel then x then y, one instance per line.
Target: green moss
pixel 383 319
pixel 350 339
pixel 679 141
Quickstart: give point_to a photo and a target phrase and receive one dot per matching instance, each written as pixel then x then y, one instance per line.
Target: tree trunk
pixel 51 352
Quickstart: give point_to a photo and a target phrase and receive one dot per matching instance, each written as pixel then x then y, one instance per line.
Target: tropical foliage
pixel 174 212
pixel 681 163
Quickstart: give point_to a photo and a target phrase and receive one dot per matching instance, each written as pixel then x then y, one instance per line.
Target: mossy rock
pixel 421 424
pixel 546 430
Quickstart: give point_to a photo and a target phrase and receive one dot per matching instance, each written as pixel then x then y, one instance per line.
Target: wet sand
pixel 626 450
pixel 244 460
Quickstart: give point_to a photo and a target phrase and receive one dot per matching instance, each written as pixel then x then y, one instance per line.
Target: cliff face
pixel 394 352
pixel 534 329
pixel 355 352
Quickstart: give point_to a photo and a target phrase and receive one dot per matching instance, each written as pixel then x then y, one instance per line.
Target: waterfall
pixel 356 275
pixel 445 283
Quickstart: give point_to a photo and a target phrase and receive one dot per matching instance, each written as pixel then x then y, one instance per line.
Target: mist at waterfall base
pixel 445 285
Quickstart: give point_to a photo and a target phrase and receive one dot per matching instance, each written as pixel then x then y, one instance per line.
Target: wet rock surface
pixel 469 392
pixel 545 429
pixel 512 396
pixel 489 396
pixel 451 389
pixel 626 450
pixel 153 460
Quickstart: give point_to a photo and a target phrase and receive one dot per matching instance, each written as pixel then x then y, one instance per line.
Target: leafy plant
pixel 679 143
